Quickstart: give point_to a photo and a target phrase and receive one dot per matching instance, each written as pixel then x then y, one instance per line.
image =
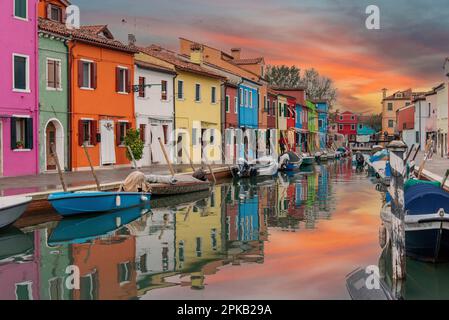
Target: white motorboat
pixel 262 167
pixel 12 208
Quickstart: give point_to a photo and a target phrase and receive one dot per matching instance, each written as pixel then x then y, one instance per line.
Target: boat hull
pixel 11 214
pixel 429 242
pixel 70 204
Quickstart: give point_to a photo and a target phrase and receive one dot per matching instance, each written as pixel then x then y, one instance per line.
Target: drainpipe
pixel 70 103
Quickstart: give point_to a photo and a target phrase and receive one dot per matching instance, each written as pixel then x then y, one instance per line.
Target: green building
pixel 53 100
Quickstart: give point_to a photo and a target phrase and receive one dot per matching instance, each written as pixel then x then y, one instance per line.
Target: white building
pixel 442 119
pixel 154 108
pixel 422 117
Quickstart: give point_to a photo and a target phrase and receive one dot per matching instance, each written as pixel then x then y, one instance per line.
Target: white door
pixel 156 151
pixel 107 145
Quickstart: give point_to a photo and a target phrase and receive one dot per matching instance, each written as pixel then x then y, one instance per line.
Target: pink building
pixel 18 88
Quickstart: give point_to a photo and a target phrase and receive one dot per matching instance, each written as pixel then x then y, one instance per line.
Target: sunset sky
pixel 329 35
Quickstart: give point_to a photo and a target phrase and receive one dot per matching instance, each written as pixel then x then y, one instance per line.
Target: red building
pixel 272 107
pixel 231 106
pixel 406 118
pixel 347 125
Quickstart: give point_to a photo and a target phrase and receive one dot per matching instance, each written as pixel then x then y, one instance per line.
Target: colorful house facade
pixel 53 98
pixel 312 124
pixel 19 92
pixel 154 106
pixel 197 104
pixel 323 122
pixel 347 125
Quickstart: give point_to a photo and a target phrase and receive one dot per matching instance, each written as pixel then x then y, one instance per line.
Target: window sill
pixel 21 150
pixel 123 93
pixel 181 99
pixel 21 19
pixel 196 101
pixel 89 146
pixel 54 89
pixel 122 146
pixel 88 89
pixel 166 100
pixel 21 90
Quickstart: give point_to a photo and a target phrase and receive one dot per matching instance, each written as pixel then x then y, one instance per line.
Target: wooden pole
pixel 132 157
pixel 190 158
pixel 170 167
pixel 58 166
pixel 397 150
pixel 211 171
pixel 445 179
pixel 91 167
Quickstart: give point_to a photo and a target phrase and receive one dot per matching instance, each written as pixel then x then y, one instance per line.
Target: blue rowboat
pixel 77 230
pixel 427 223
pixel 74 203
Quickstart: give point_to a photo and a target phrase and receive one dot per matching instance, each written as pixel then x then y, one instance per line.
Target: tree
pixel 374 121
pixel 133 140
pixel 317 87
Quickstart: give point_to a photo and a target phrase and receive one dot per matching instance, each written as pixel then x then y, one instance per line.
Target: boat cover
pixel 292 157
pixel 426 199
pixel 381 155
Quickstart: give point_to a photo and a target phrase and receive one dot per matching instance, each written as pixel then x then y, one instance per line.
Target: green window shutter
pixel 13 133
pixel 29 133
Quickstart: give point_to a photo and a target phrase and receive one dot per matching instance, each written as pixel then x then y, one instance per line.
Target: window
pixel 142 132
pixel 21 73
pixel 124 272
pixel 340 127
pixel 21 133
pixel 390 106
pixel 360 126
pixel 390 123
pixel 53 74
pixel 21 9
pixel 89 286
pixel 164 90
pixel 227 104
pixel 352 118
pixel 236 103
pixel 87 75
pixel 180 89
pixel 87 132
pixel 320 123
pixel 265 104
pixel 407 104
pixel 285 110
pixel 341 117
pixel 197 92
pixel 241 97
pixel 24 291
pixel 199 247
pixel 250 100
pixel 122 80
pixel 280 109
pixel 122 129
pixel 246 99
pixel 273 111
pixel 142 81
pixel 54 13
pixel 213 95
pixel 352 126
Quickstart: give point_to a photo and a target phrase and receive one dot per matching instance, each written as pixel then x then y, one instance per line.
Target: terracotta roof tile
pixel 152 66
pixel 248 61
pixel 176 60
pixel 85 34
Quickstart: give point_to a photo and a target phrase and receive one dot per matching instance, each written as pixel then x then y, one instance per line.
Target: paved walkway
pixel 50 181
pixel 437 165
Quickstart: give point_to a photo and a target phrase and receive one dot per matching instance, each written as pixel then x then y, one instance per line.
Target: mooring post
pixel 397 151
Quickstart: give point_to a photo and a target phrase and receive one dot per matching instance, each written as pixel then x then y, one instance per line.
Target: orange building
pixel 101 71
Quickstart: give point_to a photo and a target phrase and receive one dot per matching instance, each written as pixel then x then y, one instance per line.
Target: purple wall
pixel 20 37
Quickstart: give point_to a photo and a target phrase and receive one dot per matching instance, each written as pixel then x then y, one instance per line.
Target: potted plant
pixel 20 145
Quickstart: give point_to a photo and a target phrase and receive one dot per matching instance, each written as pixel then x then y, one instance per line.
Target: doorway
pixel 54 135
pixel 107 146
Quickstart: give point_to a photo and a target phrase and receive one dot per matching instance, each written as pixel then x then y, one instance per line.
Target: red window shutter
pixel 93 132
pixel 80 132
pixel 80 74
pixel 127 81
pixel 117 79
pixel 165 128
pixel 94 75
pixel 142 132
pixel 142 87
pixel 117 133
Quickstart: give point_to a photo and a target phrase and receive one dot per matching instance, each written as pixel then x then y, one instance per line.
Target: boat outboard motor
pixel 284 161
pixel 360 159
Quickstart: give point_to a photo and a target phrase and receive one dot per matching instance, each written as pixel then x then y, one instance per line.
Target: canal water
pixel 294 237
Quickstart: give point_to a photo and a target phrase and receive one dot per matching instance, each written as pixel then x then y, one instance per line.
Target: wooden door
pixel 50 132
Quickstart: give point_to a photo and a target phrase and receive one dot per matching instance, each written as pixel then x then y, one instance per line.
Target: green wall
pixel 52 103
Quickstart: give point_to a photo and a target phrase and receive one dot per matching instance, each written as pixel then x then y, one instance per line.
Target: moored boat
pixel 307 159
pixel 12 208
pixel 262 167
pixel 73 203
pixel 289 161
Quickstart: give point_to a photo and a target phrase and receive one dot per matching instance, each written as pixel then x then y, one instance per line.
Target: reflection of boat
pixel 262 167
pixel 173 201
pixel 14 243
pixel 73 203
pixel 12 208
pixel 81 230
pixel 307 160
pixel 356 284
pixel 289 161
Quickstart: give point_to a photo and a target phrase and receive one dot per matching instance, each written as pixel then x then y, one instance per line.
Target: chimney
pixel 384 93
pixel 196 53
pixel 235 53
pixel 131 39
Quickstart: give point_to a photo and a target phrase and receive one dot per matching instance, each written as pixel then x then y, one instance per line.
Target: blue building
pixel 323 122
pixel 248 219
pixel 364 133
pixel 301 128
pixel 248 104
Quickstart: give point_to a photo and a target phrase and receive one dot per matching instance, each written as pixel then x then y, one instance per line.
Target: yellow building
pixel 199 235
pixel 198 97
